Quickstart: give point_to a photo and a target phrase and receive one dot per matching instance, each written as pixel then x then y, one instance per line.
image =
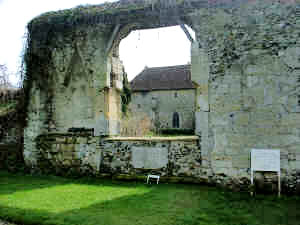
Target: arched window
pixel 175 120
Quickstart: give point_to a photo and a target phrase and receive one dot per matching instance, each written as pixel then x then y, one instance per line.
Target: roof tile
pixel 163 78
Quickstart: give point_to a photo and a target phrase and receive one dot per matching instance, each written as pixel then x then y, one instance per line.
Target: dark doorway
pixel 175 120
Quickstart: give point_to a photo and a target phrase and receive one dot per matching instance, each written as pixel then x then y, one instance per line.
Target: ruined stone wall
pixel 36 117
pixel 131 157
pixel 175 159
pixel 245 63
pixel 114 111
pixel 11 141
pixel 73 89
pixel 248 94
pixel 65 153
pixel 160 106
pixel 79 75
pixel 178 157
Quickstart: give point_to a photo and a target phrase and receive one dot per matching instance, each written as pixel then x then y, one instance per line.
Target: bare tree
pixel 8 92
pixel 4 80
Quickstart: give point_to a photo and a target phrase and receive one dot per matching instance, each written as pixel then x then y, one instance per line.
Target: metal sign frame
pixel 266 164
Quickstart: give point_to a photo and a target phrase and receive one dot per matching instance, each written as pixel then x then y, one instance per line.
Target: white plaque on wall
pixel 149 158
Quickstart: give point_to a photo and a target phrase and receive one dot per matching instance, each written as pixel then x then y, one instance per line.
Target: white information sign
pixel 266 160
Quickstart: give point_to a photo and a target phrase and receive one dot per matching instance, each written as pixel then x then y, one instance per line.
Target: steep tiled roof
pixel 163 78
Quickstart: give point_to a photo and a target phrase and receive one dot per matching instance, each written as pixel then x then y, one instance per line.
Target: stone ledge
pixel 117 138
pixel 163 179
pixel 65 134
pixel 175 138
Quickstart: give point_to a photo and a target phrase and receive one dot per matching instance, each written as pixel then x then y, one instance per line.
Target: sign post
pixel 265 160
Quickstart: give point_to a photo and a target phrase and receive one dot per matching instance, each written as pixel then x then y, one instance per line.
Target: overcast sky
pixel 158 47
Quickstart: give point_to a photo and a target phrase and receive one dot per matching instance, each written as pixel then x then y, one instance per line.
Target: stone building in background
pixel 166 95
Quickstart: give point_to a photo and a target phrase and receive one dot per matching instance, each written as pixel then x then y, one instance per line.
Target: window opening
pixel 154 52
pixel 175 120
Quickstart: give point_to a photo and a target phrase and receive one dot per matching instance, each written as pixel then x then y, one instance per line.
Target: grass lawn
pixel 54 200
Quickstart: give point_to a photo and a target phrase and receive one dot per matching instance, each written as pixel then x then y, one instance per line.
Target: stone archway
pixel 80 64
pixel 93 50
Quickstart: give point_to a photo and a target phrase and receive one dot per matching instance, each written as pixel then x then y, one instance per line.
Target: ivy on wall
pixel 125 95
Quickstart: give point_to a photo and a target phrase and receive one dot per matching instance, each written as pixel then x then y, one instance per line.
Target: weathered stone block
pixel 202 102
pixel 94 158
pixel 66 147
pixel 200 64
pixel 221 161
pixel 80 150
pixel 291 119
pixel 233 172
pixel 201 123
pixel 294 165
pixel 114 127
pixel 101 126
pixel 241 119
pixel 251 80
pixel 220 170
pixel 241 161
pixel 230 150
pixel 205 163
pixel 68 153
pixel 291 57
pixel 284 164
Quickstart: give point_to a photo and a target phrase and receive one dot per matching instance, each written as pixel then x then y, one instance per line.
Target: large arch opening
pixel 157 66
pixel 91 71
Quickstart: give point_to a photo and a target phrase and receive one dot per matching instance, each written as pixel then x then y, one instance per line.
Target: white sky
pixel 159 47
pixel 155 47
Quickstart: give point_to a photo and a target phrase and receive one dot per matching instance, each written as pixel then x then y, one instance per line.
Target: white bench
pixel 154 177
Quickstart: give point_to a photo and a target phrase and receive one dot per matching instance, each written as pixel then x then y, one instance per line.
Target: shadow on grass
pixel 154 208
pixel 163 204
pixel 26 182
pixel 19 182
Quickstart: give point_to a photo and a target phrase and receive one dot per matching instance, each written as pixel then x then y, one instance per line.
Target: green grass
pixel 53 200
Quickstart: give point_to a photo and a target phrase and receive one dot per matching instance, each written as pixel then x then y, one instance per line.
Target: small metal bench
pixel 150 176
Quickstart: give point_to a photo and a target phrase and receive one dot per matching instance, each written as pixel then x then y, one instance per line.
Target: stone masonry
pixel 161 111
pixel 63 153
pixel 245 62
